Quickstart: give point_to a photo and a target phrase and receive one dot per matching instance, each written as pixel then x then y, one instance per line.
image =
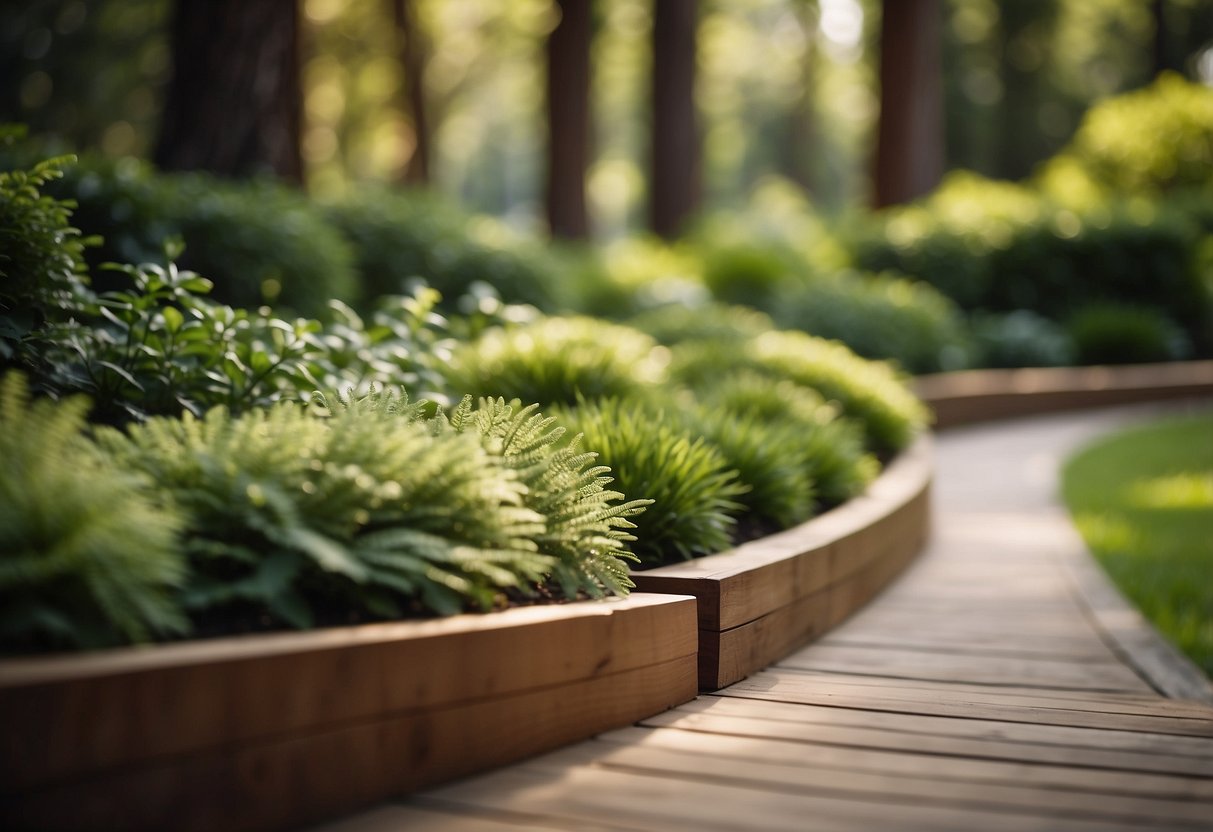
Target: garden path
pixel 999 684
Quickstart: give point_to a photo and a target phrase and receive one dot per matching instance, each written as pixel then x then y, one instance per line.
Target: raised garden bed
pixel 270 731
pixel 984 395
pixel 766 597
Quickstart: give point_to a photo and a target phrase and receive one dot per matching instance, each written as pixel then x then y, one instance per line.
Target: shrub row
pixel 277 506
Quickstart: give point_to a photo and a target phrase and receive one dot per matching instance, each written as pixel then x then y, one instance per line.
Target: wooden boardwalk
pixel 995 686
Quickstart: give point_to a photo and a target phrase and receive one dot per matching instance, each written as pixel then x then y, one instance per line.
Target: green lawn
pixel 1143 500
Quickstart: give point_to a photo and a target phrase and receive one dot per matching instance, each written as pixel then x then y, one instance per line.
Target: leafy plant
pixel 42 270
pixel 693 491
pixel 88 556
pixel 295 518
pixel 829 448
pixel 557 360
pixel 676 322
pixel 1116 334
pixel 1021 339
pixel 159 347
pixel 879 316
pixel 584 529
pixel 870 392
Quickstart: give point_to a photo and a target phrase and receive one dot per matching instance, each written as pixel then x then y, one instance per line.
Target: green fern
pixel 298 515
pixel 87 558
pixel 585 529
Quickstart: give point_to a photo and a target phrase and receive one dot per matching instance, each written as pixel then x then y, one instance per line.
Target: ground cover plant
pixel 1143 501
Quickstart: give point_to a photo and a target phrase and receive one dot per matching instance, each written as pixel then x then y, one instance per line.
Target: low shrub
pixel 880 317
pixel 403 237
pixel 675 323
pixel 1117 334
pixel 89 553
pixel 871 393
pixel 300 519
pixel 260 242
pixel 829 448
pixel 693 490
pixel 1020 339
pixel 557 360
pixel 1152 140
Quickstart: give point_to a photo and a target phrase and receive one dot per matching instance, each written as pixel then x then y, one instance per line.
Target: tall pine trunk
pixel 569 120
pixel 909 151
pixel 412 61
pixel 674 179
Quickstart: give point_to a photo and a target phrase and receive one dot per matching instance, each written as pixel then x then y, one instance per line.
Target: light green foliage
pixel 557 360
pixel 1117 334
pixel 1143 500
pixel 42 271
pixel 674 323
pixel 1151 140
pixel 879 316
pixel 300 516
pixel 766 454
pixel 870 392
pixel 585 528
pixel 829 448
pixel 160 347
pixel 88 557
pixel 693 491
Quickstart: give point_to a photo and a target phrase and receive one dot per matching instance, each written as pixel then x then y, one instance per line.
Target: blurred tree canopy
pixel 783 88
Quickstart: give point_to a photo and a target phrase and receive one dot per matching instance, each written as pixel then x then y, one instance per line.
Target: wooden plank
pixel 1097 701
pixel 400 817
pixel 754 579
pixel 971 668
pixel 924 789
pixel 901 763
pixel 947 746
pixel 290 780
pixel 62 717
pixel 1137 742
pixel 660 802
pixel 961 644
pixel 996 706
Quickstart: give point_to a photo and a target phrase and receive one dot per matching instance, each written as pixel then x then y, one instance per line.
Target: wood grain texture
pixel 288 735
pixel 769 596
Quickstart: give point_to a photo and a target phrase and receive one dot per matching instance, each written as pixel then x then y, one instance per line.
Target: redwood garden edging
pixel 763 599
pixel 269 731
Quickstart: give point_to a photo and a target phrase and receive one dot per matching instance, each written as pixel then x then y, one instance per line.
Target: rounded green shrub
pixel 557 360
pixel 1020 339
pixel 89 554
pixel 1117 334
pixel 402 237
pixel 829 448
pixel 674 323
pixel 880 317
pixel 693 490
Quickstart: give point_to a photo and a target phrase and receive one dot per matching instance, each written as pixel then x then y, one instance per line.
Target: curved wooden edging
pixel 766 597
pixel 272 731
pixel 984 395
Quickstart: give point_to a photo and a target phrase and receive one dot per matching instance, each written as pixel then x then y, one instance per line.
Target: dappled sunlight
pixel 1187 490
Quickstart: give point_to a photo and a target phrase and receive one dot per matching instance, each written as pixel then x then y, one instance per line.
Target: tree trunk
pixel 412 61
pixel 675 155
pixel 235 102
pixel 909 153
pixel 569 120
